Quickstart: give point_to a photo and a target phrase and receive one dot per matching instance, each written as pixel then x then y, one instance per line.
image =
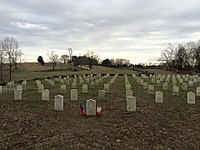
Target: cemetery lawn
pixel 31 123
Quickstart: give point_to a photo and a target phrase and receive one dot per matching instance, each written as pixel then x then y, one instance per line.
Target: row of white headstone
pixel 90 105
pixel 190 97
pixel 45 94
pixel 165 86
pixel 130 99
pixel 175 91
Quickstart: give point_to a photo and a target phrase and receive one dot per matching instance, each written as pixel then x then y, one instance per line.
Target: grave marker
pixel 91 107
pixel 63 89
pixel 58 103
pixel 198 91
pixel 159 97
pixel 74 94
pixel 17 94
pixel 84 88
pixel 131 104
pixel 175 90
pixel 1 89
pixel 106 87
pixel 45 94
pixel 191 98
pixel 101 94
pixel 40 88
pixel 151 89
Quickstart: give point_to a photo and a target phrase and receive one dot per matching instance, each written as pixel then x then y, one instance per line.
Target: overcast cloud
pixel 137 30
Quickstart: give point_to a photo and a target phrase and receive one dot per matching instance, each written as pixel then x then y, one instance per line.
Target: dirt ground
pixel 32 124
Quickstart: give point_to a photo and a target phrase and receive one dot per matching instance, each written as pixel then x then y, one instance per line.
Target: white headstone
pixel 158 83
pixel 87 80
pixel 184 87
pixel 45 94
pixel 101 94
pixel 51 83
pixel 40 88
pixel 174 82
pixel 175 90
pixel 141 82
pixel 195 80
pixel 63 89
pixel 24 84
pixel 81 81
pixel 131 103
pixel 198 91
pixel 96 82
pixel 100 80
pixel 67 82
pixel 17 94
pixel 190 83
pixel 62 81
pixel 1 89
pixel 92 85
pixel 12 83
pixel 128 86
pixel 91 107
pixel 151 89
pixel 180 81
pixel 9 84
pixel 58 103
pixel 165 86
pixel 153 80
pixel 19 87
pixel 191 98
pixel 159 97
pixel 84 88
pixel 129 93
pixel 38 82
pixel 74 94
pixel 106 87
pixel 74 85
pixel 145 85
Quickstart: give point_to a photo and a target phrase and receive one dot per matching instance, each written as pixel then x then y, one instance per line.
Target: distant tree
pixel 196 53
pixel 17 57
pixel 106 62
pixel 40 60
pixel 168 55
pixel 92 59
pixel 1 63
pixel 64 58
pixel 9 45
pixel 181 58
pixel 53 59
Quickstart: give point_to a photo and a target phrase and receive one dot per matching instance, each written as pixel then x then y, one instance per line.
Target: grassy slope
pixel 35 71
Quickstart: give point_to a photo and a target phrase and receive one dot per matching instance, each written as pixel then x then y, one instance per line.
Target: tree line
pixel 182 57
pixel 89 59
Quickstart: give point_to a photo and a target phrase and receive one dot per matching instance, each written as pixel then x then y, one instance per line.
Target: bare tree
pixel 9 45
pixel 53 59
pixel 93 58
pixel 17 57
pixel 196 53
pixel 168 55
pixel 1 63
pixel 181 57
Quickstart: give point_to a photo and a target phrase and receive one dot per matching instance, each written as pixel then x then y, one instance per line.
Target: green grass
pixel 25 75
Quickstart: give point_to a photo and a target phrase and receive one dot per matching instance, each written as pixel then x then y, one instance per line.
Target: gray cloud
pixel 113 28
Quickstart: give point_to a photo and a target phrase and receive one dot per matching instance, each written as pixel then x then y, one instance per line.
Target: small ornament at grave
pixel 83 110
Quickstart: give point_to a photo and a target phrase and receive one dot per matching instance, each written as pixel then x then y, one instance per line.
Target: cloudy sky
pixel 137 30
